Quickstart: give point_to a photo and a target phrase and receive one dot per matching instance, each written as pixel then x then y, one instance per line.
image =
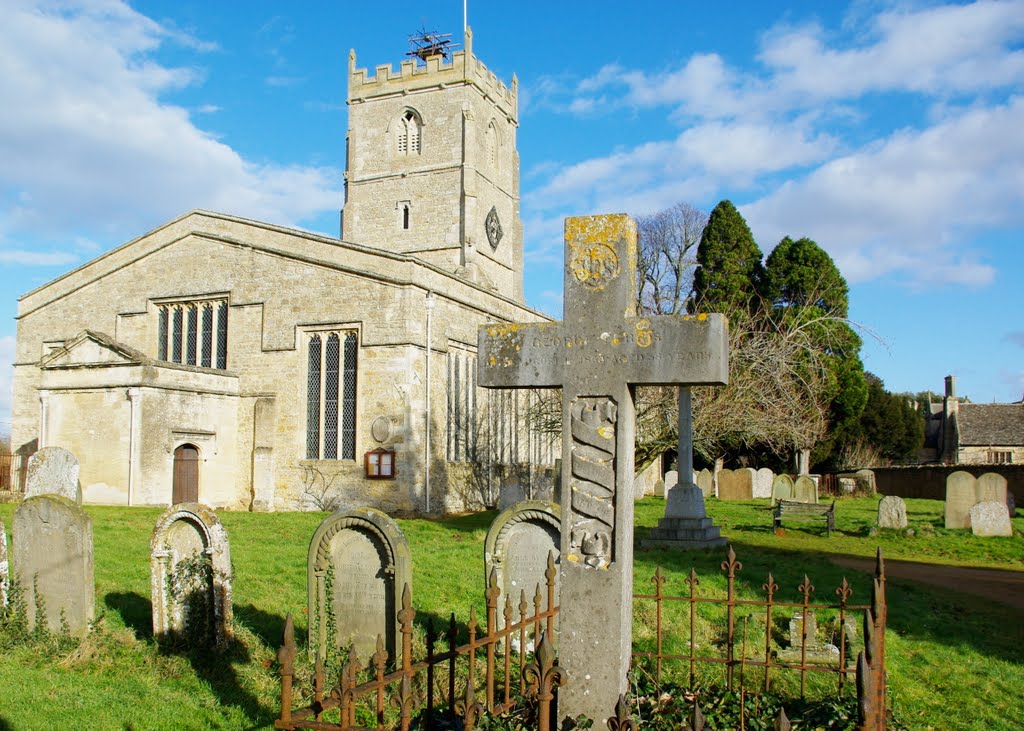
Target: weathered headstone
pixel 847 485
pixel 805 490
pixel 596 356
pixel 706 482
pixel 358 566
pixel 516 551
pixel 782 488
pixel 763 479
pixel 735 484
pixel 671 479
pixel 53 471
pixel 990 488
pixel 988 519
pixel 960 496
pixel 53 561
pixel 804 644
pixel 190 577
pixel 4 566
pixel 892 512
pixel 866 481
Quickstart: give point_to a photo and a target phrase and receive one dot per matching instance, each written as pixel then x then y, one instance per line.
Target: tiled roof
pixel 983 425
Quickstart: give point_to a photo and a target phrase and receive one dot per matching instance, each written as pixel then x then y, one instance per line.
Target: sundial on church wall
pixel 493 227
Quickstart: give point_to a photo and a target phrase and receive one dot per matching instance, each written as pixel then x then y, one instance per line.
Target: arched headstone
pixel 53 561
pixel 805 489
pixel 763 480
pixel 736 484
pixel 782 488
pixel 190 577
pixel 990 488
pixel 892 512
pixel 516 550
pixel 960 496
pixel 706 482
pixel 357 568
pixel 53 471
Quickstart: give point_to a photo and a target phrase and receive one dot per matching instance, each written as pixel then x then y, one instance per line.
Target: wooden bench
pixel 805 511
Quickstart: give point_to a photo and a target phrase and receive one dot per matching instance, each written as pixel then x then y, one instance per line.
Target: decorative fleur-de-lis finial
pixel 696 719
pixel 731 565
pixel 380 657
pixel 622 720
pixel 769 586
pixel 806 588
pixel 844 591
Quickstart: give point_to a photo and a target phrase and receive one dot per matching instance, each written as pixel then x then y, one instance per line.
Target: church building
pixel 250 366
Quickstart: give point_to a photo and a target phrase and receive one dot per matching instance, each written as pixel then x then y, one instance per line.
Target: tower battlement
pixel 464 68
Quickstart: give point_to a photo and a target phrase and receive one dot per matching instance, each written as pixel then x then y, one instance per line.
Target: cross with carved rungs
pixel 596 355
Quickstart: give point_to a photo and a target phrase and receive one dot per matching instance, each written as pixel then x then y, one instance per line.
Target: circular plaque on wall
pixel 380 429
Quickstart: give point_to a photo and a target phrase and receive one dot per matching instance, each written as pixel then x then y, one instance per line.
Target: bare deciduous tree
pixel 667 257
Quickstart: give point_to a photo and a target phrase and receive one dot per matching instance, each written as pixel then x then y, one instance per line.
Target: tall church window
pixel 331 395
pixel 409 134
pixel 193 332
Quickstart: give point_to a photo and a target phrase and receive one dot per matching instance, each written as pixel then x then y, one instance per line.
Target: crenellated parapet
pixel 463 69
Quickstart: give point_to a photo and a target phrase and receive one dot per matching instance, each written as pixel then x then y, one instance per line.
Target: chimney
pixel 951 386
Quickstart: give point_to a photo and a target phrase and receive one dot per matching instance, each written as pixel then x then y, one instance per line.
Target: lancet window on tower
pixel 409 134
pixel 492 145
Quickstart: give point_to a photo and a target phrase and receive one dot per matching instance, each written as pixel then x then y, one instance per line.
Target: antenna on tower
pixel 428 44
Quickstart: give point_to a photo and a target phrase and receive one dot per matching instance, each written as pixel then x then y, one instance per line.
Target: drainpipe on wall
pixel 429 304
pixel 133 440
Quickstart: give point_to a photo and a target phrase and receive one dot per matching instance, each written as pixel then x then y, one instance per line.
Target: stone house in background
pixel 965 433
pixel 251 366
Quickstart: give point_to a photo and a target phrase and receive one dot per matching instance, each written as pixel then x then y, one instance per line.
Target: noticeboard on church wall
pixel 380 464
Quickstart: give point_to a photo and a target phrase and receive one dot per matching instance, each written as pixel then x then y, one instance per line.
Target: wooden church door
pixel 186 475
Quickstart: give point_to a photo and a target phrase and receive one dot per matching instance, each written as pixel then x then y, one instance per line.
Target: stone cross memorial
pixel 596 355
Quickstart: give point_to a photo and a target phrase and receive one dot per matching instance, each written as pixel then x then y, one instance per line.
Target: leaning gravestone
pixel 516 551
pixel 706 482
pixel 4 571
pixel 805 490
pixel 596 356
pixel 358 566
pixel 53 562
pixel 990 488
pixel 190 577
pixel 763 479
pixel 736 484
pixel 892 512
pixel 53 471
pixel 960 496
pixel 989 519
pixel 782 488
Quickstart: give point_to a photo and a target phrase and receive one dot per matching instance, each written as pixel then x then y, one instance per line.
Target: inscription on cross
pixel 596 356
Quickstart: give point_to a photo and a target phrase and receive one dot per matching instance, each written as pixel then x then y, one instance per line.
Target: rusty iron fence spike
pixel 782 722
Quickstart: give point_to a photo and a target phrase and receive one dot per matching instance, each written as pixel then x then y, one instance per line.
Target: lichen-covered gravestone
pixel 782 488
pixel 736 484
pixel 805 490
pixel 516 552
pixel 989 519
pixel 4 571
pixel 53 562
pixel 357 568
pixel 960 496
pixel 53 471
pixel 190 577
pixel 892 512
pixel 763 479
pixel 990 488
pixel 597 356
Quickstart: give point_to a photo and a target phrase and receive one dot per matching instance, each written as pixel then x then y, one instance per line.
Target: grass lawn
pixel 955 661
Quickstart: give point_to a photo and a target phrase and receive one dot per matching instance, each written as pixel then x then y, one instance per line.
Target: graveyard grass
pixel 955 661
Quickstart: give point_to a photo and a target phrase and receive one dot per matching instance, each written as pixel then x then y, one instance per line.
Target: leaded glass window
pixel 331 395
pixel 194 332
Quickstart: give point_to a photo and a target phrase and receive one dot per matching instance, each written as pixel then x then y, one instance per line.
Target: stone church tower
pixel 432 168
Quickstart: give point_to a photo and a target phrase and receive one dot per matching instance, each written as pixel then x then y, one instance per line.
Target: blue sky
pixel 889 132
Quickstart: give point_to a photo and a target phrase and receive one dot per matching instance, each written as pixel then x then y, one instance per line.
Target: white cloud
pixel 87 145
pixel 36 258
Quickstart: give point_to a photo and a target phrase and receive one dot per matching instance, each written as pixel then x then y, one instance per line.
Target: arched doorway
pixel 186 475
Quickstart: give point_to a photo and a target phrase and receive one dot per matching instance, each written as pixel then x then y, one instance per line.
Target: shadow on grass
pixel 135 611
pixel 915 611
pixel 267 626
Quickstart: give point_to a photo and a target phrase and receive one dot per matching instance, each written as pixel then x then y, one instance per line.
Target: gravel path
pixel 1000 585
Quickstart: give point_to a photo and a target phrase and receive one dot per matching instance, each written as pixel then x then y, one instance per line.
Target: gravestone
pixel 805 490
pixel 659 488
pixel 53 561
pixel 53 471
pixel 706 482
pixel 763 479
pixel 735 485
pixel 960 496
pixel 671 479
pixel 866 481
pixel 358 566
pixel 782 488
pixel 516 550
pixel 892 512
pixel 596 356
pixel 4 566
pixel 190 577
pixel 1011 504
pixel 804 644
pixel 989 519
pixel 990 488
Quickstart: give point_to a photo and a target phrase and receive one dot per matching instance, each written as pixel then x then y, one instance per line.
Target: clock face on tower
pixel 493 227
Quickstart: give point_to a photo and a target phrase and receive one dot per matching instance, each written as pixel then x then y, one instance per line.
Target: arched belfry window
pixel 409 134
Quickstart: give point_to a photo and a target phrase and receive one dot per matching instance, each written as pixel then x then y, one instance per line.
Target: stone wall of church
pixel 281 286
